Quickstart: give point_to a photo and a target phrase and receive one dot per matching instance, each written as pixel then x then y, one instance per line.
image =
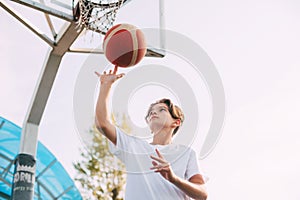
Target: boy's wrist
pixel 106 84
pixel 175 179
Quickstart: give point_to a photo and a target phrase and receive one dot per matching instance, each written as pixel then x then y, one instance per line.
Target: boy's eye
pixel 162 109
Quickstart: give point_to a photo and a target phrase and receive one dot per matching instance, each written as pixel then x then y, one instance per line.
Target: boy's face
pixel 159 117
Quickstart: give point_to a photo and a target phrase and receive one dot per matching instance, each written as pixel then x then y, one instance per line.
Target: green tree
pixel 100 174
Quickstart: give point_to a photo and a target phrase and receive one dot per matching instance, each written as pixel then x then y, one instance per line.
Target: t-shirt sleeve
pixel 193 167
pixel 123 144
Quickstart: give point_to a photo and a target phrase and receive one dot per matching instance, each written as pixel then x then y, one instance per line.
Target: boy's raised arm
pixel 102 119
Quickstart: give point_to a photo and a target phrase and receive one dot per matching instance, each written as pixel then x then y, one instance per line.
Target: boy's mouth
pixel 153 117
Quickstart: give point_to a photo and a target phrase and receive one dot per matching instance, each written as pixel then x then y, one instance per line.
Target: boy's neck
pixel 162 138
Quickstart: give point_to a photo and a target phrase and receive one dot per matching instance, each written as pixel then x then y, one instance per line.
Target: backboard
pixel 140 13
pixel 47 18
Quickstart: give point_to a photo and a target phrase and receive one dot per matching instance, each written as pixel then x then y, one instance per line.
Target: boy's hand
pixel 163 167
pixel 111 77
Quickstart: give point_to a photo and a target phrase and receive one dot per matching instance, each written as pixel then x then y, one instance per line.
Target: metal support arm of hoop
pixel 41 7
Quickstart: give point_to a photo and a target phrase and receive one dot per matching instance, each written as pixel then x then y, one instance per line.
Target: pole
pixel 25 164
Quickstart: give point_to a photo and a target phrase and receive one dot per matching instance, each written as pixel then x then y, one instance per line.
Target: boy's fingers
pixel 97 74
pixel 158 159
pixel 115 69
pixel 159 167
pixel 158 153
pixel 120 75
pixel 155 167
pixel 154 163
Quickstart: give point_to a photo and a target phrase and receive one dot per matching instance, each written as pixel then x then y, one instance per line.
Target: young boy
pixel 156 170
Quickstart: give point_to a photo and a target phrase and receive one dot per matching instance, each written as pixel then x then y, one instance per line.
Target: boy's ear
pixel 177 122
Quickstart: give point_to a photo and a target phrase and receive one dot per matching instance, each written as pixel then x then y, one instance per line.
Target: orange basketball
pixel 124 45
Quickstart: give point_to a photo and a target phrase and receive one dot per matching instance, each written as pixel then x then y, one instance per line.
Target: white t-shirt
pixel 143 183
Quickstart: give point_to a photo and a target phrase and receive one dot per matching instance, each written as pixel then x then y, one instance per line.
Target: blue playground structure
pixel 52 181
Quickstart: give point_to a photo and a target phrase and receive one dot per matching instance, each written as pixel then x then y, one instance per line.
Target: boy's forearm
pixel 102 106
pixel 193 190
pixel 102 118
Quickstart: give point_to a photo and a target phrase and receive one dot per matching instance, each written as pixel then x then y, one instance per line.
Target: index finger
pixel 115 69
pixel 158 153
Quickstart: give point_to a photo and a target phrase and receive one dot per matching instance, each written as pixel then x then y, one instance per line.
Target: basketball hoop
pixel 97 15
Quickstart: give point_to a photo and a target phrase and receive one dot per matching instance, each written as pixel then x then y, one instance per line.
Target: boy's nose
pixel 153 112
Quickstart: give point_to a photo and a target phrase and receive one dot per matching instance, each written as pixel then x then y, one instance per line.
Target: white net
pixel 98 15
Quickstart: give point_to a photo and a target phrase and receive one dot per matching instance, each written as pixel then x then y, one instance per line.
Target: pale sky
pixel 254 45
